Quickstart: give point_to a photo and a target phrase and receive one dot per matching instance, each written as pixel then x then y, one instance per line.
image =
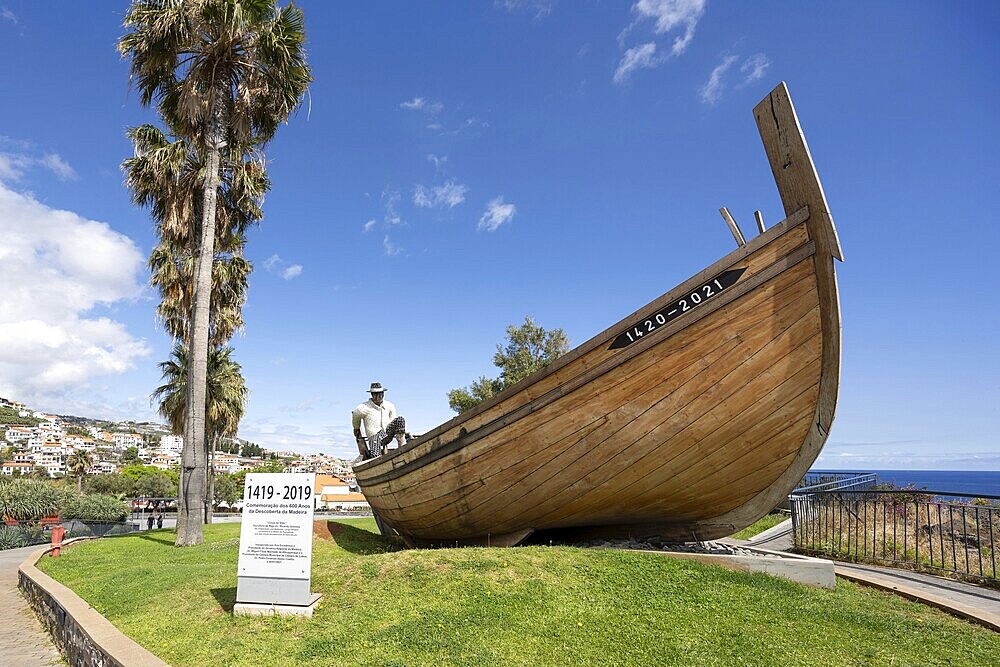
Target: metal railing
pixel 819 480
pixel 935 530
pixel 17 534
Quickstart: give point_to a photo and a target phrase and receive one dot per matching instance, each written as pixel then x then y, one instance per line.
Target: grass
pixel 759 526
pixel 492 607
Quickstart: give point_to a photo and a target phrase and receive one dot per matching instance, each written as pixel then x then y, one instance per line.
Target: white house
pixel 164 461
pixel 226 463
pixel 333 493
pixel 16 468
pixel 17 434
pixel 126 440
pixel 171 444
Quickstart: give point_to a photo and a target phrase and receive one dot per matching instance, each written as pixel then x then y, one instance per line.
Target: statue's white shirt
pixel 375 417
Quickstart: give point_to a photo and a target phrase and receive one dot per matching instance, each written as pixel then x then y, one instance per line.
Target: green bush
pixel 26 499
pixel 12 537
pixel 95 508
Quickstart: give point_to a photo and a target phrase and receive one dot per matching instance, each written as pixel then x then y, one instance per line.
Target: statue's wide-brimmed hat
pixel 376 388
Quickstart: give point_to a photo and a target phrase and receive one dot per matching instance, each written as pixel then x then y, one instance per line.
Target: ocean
pixel 984 482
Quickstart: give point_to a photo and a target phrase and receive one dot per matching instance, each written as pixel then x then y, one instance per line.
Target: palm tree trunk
pixel 210 491
pixel 191 495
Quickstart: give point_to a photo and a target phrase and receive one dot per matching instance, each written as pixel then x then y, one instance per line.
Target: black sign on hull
pixel 707 290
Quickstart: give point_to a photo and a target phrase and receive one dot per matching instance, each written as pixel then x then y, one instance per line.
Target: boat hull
pixel 689 419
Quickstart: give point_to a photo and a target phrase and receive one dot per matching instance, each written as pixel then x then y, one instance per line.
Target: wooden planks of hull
pixel 781 243
pixel 691 431
pixel 690 360
pixel 543 485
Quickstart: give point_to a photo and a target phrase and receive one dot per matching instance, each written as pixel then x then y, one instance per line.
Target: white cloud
pixel 438 160
pixel 639 57
pixel 754 67
pixel 422 197
pixel 331 440
pixel 274 264
pixel 55 267
pixel 59 167
pixel 8 15
pixel 929 456
pixel 670 14
pixel 540 8
pixel 368 226
pixel 390 199
pixel 292 271
pixel 391 249
pixel 422 104
pixel 667 15
pixel 14 165
pixel 496 214
pixel 451 194
pixel 713 88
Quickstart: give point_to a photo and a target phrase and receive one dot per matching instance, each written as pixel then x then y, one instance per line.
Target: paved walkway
pixel 976 603
pixel 23 642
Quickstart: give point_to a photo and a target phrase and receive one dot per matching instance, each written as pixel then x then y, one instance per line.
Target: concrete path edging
pixel 806 570
pixel 105 637
pixel 892 585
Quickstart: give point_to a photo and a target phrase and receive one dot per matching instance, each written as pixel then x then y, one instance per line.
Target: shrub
pixel 25 499
pixel 95 508
pixel 12 537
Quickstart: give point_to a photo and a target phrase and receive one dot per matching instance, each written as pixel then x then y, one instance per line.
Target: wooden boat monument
pixel 689 419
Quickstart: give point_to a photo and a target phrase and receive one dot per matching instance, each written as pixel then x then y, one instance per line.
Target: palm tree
pixel 223 73
pixel 163 175
pixel 227 398
pixel 77 464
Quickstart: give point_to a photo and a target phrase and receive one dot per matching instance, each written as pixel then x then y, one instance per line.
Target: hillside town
pixel 34 443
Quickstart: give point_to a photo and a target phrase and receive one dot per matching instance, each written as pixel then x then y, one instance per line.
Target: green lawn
pixel 491 607
pixel 760 525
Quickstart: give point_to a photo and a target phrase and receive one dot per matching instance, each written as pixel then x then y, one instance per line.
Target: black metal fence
pixel 17 534
pixel 942 531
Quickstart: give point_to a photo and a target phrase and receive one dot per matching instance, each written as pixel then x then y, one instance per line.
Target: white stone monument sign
pixel 275 563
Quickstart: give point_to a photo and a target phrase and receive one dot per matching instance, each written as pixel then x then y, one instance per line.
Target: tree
pixel 469 397
pixel 165 175
pixel 224 73
pixel 226 490
pixel 156 485
pixel 110 484
pixel 77 464
pixel 529 348
pixel 226 401
pixel 130 455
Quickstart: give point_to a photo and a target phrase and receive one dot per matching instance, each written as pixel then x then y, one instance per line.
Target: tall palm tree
pixel 227 398
pixel 222 73
pixel 77 464
pixel 163 175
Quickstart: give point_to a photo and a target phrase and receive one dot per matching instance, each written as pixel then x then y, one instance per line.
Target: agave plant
pixel 12 537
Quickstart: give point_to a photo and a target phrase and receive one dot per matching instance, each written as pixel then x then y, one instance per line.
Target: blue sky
pixel 458 166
